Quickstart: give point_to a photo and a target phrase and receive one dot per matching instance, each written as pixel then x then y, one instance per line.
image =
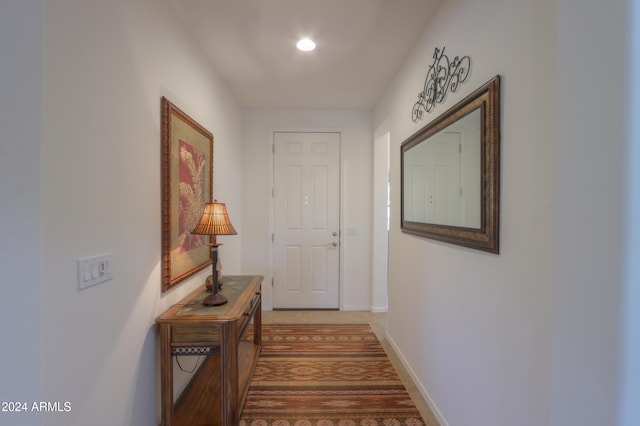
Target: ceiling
pixel 360 46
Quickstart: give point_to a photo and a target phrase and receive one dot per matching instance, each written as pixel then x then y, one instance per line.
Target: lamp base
pixel 214 300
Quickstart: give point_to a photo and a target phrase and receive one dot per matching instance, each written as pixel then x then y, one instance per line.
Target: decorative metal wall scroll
pixel 443 75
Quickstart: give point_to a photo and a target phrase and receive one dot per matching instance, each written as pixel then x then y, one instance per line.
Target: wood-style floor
pixel 378 323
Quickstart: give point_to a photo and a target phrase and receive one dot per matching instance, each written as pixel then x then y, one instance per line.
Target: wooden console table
pixel 216 394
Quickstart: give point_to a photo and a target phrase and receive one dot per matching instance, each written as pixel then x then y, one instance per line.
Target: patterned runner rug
pixel 326 375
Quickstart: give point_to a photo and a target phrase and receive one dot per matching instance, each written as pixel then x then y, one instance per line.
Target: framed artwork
pixel 187 182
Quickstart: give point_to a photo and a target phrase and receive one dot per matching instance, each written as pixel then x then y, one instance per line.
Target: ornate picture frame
pixel 187 182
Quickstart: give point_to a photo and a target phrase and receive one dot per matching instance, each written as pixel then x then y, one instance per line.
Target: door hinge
pixel 273 238
pixel 271 282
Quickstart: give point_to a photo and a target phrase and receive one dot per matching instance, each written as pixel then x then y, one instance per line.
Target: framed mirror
pixel 450 174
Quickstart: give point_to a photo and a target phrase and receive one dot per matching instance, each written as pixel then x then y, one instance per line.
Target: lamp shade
pixel 214 220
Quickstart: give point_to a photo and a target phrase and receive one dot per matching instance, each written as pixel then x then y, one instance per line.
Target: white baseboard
pixel 414 377
pixel 354 308
pixel 377 310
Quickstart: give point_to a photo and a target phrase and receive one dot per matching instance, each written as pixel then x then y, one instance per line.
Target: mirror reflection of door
pixel 442 176
pixel 435 175
pixel 306 219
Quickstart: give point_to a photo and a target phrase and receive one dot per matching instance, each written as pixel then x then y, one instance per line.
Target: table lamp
pixel 214 221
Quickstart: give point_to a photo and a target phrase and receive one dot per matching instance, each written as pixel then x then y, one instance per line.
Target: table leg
pixel 229 375
pixel 166 375
pixel 257 325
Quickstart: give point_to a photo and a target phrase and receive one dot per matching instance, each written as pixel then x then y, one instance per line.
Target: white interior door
pixel 306 220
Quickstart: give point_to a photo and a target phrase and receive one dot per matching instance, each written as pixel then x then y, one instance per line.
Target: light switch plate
pixel 94 270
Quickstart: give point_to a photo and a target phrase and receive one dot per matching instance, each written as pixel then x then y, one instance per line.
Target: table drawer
pixel 192 333
pixel 248 314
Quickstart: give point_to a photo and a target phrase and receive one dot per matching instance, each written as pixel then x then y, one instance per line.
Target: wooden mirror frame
pixel 486 238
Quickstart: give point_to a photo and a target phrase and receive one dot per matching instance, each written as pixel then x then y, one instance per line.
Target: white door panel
pixel 306 220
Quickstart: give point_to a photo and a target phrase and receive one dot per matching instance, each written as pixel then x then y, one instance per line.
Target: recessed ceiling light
pixel 306 45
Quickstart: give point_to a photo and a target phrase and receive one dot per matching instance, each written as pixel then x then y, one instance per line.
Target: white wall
pixel 591 145
pixel 356 197
pixel 475 327
pixel 531 336
pixel 20 134
pixel 380 234
pixel 630 359
pixel 106 66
